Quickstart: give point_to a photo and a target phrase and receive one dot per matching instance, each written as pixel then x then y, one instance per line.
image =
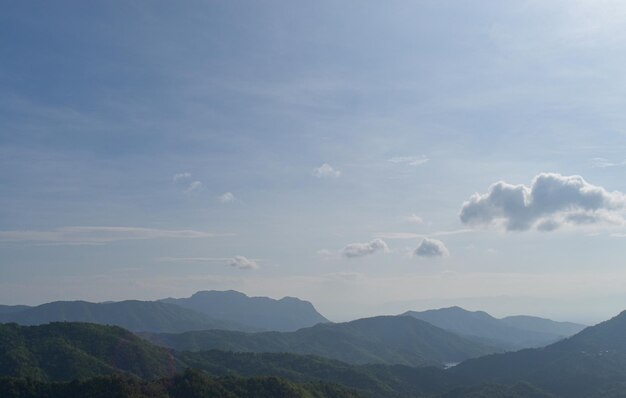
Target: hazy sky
pixel 369 156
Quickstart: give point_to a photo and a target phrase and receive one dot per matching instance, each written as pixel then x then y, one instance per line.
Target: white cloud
pixel 96 235
pixel 326 171
pixel 181 176
pixel 235 262
pixel 551 201
pixel 431 248
pixel 409 160
pixel 604 163
pixel 242 262
pixel 415 219
pixel 194 186
pixel 412 235
pixel 226 197
pixel 363 249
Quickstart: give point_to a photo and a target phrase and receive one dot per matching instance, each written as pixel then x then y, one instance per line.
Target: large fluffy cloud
pixel 551 201
pixel 363 249
pixel 431 248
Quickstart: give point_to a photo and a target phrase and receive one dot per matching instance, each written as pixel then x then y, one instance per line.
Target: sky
pixel 371 157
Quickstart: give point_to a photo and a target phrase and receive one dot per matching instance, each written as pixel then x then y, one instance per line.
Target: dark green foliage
pixel 384 339
pixel 133 315
pixel 63 351
pixel 190 384
pixel 262 313
pixel 520 390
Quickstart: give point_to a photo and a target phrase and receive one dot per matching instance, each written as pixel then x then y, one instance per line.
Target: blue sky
pixel 323 150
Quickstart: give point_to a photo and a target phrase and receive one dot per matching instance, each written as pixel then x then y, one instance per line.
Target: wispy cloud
pixel 604 163
pixel 415 219
pixel 181 176
pixel 194 186
pixel 240 262
pixel 326 171
pixel 409 160
pixel 99 235
pixel 413 235
pixel 226 197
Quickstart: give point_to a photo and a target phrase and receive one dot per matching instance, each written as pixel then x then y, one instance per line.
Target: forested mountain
pixel 383 339
pixel 64 351
pixel 588 364
pixel 286 314
pixel 190 384
pixel 9 309
pixel 511 333
pixel 132 314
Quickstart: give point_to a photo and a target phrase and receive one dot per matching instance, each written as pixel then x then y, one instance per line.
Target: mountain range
pixel 591 363
pixel 510 333
pixel 228 310
pixel 383 339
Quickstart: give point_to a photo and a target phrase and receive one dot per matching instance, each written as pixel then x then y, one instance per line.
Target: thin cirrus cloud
pixel 181 176
pixel 409 160
pixel 550 202
pixel 431 248
pixel 326 171
pixel 355 250
pixel 604 163
pixel 194 186
pixel 240 262
pixel 100 235
pixel 226 197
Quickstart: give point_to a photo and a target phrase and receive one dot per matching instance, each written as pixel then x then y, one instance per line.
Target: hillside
pixel 132 314
pixel 187 385
pixel 583 365
pixel 64 351
pixel 286 314
pixel 511 333
pixel 384 339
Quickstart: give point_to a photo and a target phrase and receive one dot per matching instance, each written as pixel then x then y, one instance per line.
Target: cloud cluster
pixel 431 248
pixel 242 262
pixel 326 171
pixel 550 202
pixel 354 250
pixel 409 160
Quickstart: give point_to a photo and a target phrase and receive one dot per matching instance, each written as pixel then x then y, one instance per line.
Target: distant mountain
pixel 65 351
pixel 384 339
pixel 10 309
pixel 591 363
pixel 133 315
pixel 286 314
pixel 511 333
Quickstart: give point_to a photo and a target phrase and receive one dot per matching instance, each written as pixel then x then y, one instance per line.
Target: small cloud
pixel 326 171
pixel 550 202
pixel 415 219
pixel 242 262
pixel 604 163
pixel 398 235
pixel 354 250
pixel 491 251
pixel 226 197
pixel 181 176
pixel 194 186
pixel 409 160
pixel 431 248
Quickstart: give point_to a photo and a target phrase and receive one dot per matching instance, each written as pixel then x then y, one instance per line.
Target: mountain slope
pixel 511 333
pixel 286 314
pixel 384 339
pixel 133 315
pixel 64 351
pixel 583 365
